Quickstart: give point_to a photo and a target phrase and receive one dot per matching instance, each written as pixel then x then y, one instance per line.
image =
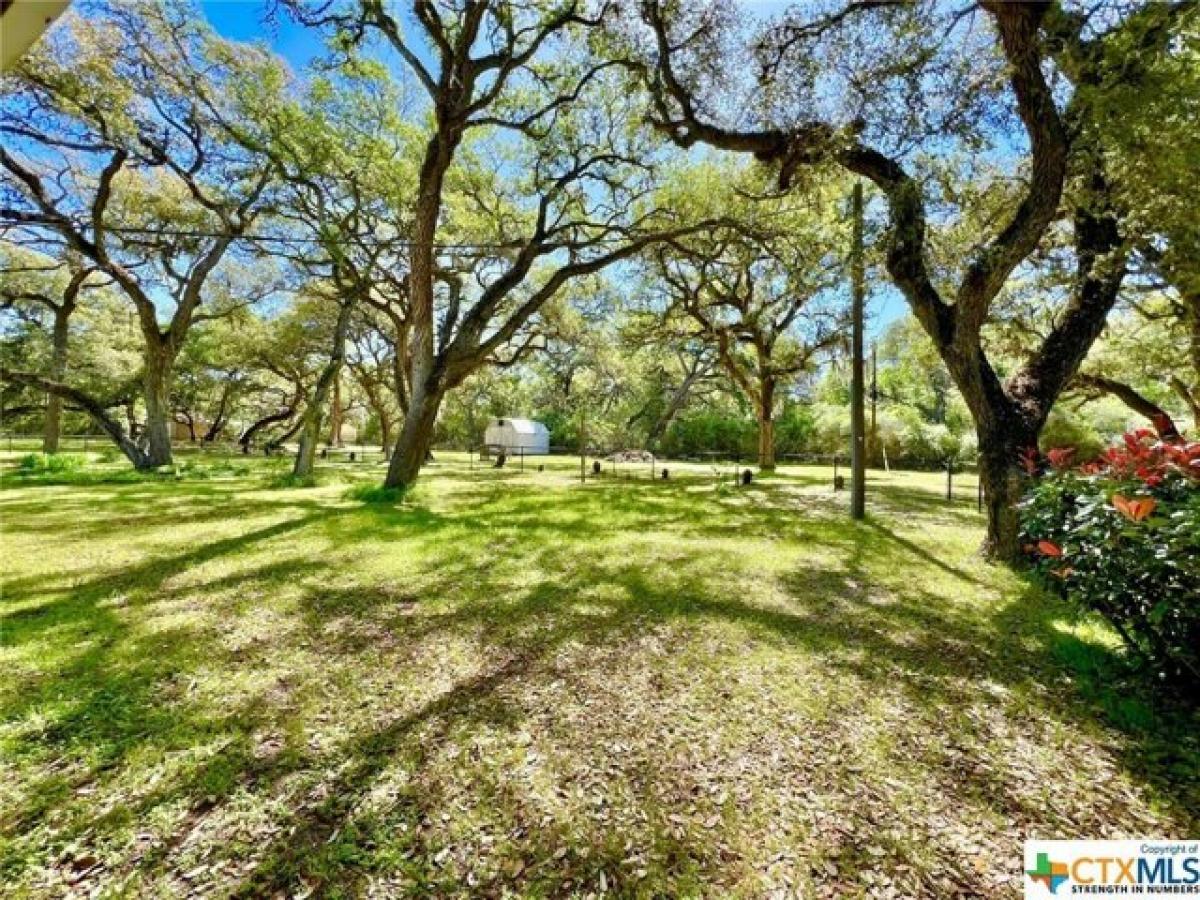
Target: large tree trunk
pixel 416 437
pixel 306 452
pixel 1006 432
pixel 310 433
pixel 335 415
pixel 1000 453
pixel 156 394
pixel 424 383
pixel 58 371
pixel 766 425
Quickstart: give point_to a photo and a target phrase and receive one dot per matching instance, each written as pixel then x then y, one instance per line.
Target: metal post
pixel 874 398
pixel 835 471
pixel 858 437
pixel 582 449
pixel 949 477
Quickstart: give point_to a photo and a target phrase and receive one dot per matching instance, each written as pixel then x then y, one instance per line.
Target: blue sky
pixel 244 20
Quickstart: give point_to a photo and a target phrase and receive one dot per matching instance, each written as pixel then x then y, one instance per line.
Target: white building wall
pixel 514 435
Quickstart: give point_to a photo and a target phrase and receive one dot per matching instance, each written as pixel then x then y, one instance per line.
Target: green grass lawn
pixel 511 684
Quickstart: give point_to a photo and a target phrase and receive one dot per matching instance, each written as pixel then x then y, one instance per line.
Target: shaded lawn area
pixel 515 685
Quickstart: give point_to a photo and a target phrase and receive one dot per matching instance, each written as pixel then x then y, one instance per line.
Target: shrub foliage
pixel 1121 536
pixel 38 463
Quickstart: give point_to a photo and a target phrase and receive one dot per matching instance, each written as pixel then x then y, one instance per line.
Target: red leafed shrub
pixel 1060 457
pixel 1142 456
pixel 1120 535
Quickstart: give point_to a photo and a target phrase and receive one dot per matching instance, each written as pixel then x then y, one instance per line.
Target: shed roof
pixel 522 426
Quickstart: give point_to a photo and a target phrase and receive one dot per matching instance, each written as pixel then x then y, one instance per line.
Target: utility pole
pixel 873 444
pixel 582 449
pixel 858 450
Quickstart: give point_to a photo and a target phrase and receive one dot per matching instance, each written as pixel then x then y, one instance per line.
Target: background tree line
pixel 633 214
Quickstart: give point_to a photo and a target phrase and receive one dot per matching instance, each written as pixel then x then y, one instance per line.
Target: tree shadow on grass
pixel 521 649
pixel 938 660
pixel 113 674
pixel 921 553
pixel 148 577
pixel 916 645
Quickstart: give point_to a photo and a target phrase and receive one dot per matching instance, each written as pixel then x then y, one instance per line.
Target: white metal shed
pixel 517 435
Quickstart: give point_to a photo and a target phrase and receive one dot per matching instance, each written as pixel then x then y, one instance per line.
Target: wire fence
pixel 595 462
pixel 18 442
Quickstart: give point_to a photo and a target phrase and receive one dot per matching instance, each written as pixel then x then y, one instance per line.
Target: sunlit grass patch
pixel 512 682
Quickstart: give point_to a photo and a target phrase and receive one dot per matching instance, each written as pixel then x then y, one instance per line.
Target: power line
pixel 279 239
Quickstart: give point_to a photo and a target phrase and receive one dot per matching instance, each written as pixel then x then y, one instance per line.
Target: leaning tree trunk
pixel 335 415
pixel 270 419
pixel 286 435
pixel 416 437
pixel 156 390
pixel 88 404
pixel 58 371
pixel 218 422
pixel 306 452
pixel 766 425
pixel 310 433
pixel 1143 406
pixel 266 421
pixel 678 399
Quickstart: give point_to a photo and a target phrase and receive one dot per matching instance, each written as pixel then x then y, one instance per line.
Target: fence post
pixel 949 476
pixel 835 471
